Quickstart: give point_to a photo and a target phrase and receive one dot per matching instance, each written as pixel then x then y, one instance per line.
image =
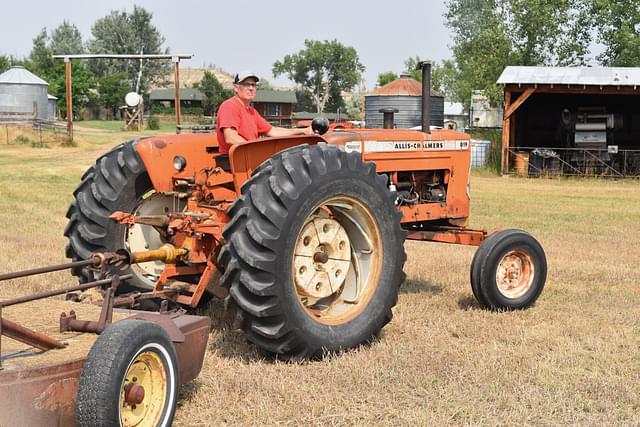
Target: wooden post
pixel 67 65
pixel 506 133
pixel 176 80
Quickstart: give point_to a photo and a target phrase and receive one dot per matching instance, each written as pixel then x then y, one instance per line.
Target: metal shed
pixel 405 95
pixel 571 121
pixel 23 95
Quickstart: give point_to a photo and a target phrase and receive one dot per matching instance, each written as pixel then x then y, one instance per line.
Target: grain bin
pixel 404 94
pixel 23 95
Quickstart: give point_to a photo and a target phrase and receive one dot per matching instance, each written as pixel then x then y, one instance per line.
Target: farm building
pixel 571 121
pixel 405 95
pixel 23 96
pixel 275 106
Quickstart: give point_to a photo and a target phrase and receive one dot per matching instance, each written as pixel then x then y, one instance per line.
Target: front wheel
pixel 508 271
pixel 314 252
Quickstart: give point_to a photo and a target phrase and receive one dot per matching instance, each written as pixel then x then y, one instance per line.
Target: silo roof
pixel 404 86
pixel 20 75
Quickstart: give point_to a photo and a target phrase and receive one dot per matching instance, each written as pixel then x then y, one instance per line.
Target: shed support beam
pixel 525 95
pixel 506 133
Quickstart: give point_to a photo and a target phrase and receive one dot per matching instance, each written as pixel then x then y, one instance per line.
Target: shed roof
pixel 590 76
pixel 186 94
pixel 20 75
pixel 276 96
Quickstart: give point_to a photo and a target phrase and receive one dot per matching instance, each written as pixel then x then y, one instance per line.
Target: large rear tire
pixel 314 252
pixel 117 182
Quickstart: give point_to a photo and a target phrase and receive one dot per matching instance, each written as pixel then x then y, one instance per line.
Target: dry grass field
pixel 573 359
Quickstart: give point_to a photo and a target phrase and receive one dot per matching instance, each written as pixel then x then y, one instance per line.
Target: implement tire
pixel 129 354
pixel 117 182
pixel 314 252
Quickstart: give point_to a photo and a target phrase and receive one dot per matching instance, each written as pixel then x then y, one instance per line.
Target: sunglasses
pixel 249 85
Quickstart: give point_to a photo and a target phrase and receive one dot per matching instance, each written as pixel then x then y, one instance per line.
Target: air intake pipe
pixel 425 66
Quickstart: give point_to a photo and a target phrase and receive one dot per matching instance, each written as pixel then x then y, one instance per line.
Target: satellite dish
pixel 133 99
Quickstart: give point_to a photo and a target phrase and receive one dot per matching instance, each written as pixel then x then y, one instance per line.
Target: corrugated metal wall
pixel 20 98
pixel 409 114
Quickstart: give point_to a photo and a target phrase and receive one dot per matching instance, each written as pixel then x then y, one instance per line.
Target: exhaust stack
pixel 425 66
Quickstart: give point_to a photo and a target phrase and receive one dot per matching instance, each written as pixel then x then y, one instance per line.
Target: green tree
pixel 488 35
pixel 324 69
pixel 213 91
pixel 304 101
pixel 66 39
pixel 618 29
pixel 121 32
pixel 5 63
pixel 386 77
pixel 42 63
pixel 113 88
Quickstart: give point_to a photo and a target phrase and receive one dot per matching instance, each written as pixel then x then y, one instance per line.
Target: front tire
pixel 314 252
pixel 130 378
pixel 508 271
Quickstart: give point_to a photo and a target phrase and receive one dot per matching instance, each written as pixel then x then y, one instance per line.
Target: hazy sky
pixel 237 35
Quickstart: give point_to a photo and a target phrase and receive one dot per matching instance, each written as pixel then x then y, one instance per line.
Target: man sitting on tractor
pixel 238 121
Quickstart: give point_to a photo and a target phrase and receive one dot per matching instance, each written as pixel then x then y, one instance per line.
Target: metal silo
pixel 23 95
pixel 405 95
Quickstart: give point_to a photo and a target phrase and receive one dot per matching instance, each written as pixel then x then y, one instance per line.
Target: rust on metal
pixel 133 394
pixel 28 336
pixel 94 261
pixel 452 235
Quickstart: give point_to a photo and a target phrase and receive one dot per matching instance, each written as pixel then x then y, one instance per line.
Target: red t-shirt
pixel 247 121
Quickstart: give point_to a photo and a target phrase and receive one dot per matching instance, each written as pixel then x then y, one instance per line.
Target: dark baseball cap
pixel 243 75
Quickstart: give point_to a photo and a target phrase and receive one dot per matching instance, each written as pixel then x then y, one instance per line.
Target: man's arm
pixel 231 136
pixel 278 131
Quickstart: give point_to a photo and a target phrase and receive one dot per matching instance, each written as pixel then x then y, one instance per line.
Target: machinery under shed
pixel 571 121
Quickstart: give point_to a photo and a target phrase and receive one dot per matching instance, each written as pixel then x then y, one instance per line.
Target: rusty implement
pixel 42 365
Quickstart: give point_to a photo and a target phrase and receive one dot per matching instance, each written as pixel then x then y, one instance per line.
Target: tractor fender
pixel 246 157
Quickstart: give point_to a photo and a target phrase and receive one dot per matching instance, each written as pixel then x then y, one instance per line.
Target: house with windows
pixel 276 106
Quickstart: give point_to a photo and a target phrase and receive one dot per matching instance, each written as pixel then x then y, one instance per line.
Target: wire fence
pixel 38 133
pixel 605 163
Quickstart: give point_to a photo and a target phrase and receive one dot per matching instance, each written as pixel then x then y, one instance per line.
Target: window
pixel 273 109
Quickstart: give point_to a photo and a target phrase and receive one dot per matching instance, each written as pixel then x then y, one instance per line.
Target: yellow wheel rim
pixel 337 260
pixel 144 391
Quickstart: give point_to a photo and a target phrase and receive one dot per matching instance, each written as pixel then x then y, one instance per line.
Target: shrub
pixel 21 139
pixel 153 123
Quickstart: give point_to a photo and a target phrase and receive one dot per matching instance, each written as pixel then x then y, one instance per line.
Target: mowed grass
pixel 572 359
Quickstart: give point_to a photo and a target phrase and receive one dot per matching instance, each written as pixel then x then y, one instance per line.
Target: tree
pixel 618 29
pixel 121 32
pixel 324 69
pixel 42 63
pixel 5 63
pixel 213 92
pixel 304 101
pixel 488 35
pixel 66 39
pixel 386 77
pixel 113 88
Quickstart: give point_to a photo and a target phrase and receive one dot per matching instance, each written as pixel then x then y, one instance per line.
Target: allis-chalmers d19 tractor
pixel 304 234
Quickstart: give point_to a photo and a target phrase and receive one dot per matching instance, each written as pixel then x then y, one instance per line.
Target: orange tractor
pixel 304 234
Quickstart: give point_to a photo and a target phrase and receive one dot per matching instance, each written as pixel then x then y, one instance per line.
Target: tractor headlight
pixel 179 163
